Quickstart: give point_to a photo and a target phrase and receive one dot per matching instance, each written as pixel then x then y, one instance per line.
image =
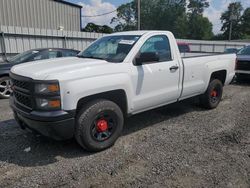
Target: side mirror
pixel 146 57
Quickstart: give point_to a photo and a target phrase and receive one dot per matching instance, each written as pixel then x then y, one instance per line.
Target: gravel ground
pixel 181 145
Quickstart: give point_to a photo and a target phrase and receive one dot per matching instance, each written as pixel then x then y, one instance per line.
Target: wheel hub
pixel 214 93
pixel 102 125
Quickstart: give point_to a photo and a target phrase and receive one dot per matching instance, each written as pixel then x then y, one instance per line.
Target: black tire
pixel 212 97
pixel 5 89
pixel 86 131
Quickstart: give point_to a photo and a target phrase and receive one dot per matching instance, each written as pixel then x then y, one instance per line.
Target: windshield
pixel 245 51
pixel 110 48
pixel 25 56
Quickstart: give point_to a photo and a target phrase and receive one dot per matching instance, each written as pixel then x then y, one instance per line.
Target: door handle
pixel 173 68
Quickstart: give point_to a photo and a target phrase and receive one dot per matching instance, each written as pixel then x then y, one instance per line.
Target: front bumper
pixel 58 125
pixel 243 72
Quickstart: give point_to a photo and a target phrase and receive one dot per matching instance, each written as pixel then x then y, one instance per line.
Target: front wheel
pixel 98 125
pixel 5 87
pixel 212 97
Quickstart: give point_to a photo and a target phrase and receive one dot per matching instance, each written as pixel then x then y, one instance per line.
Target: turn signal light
pixel 53 88
pixel 48 104
pixel 55 104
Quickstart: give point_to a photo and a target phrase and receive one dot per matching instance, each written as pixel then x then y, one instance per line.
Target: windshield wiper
pixel 91 57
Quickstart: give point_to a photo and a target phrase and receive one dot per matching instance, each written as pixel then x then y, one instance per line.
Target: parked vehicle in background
pixel 183 47
pixel 28 56
pixel 243 63
pixel 122 74
pixel 231 51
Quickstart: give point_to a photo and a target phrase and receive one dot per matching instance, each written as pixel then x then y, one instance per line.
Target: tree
pixel 166 15
pixel 91 27
pixel 157 14
pixel 232 14
pixel 219 36
pixel 181 27
pixel 197 6
pixel 199 26
pixel 162 14
pixel 126 17
pixel 107 29
pixel 245 23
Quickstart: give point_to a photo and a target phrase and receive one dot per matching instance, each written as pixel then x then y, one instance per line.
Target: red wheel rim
pixel 214 93
pixel 102 125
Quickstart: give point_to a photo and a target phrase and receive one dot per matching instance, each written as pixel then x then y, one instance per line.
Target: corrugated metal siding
pixel 46 14
pixel 15 40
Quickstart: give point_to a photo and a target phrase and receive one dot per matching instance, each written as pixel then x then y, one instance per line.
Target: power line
pixel 98 15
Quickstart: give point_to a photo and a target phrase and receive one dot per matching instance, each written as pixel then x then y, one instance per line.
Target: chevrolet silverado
pixel 122 74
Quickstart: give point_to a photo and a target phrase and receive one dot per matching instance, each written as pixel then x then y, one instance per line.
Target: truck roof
pixel 141 32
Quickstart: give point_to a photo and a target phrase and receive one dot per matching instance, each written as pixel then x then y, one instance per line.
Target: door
pixel 156 83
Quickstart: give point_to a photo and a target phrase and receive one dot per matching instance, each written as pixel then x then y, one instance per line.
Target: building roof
pixel 69 3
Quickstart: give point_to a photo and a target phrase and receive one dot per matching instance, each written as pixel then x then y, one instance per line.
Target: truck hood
pixel 41 70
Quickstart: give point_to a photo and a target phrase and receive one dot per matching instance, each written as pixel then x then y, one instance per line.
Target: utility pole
pixel 139 14
pixel 231 23
pixel 230 29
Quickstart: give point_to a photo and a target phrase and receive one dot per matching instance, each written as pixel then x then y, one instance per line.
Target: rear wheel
pixel 5 87
pixel 212 97
pixel 99 124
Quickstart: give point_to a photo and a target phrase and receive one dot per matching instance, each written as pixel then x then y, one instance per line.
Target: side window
pixel 160 45
pixel 36 55
pixel 69 53
pixel 52 54
pixel 44 55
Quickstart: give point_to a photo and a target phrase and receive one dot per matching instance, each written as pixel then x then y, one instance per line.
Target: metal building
pixel 43 14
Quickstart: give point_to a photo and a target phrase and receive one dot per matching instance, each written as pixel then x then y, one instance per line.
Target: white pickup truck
pixel 88 97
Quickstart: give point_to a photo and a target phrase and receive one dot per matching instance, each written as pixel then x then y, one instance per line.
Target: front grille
pixel 243 65
pixel 23 99
pixel 22 92
pixel 21 84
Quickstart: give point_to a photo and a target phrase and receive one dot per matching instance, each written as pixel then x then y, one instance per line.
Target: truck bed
pixel 198 69
pixel 198 54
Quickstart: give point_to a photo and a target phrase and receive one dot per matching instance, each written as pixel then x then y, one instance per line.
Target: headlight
pixel 48 104
pixel 48 96
pixel 47 88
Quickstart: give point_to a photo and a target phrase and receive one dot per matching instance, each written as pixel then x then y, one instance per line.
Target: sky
pixel 96 7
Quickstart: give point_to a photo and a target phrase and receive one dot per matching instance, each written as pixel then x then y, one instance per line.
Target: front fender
pixel 74 90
